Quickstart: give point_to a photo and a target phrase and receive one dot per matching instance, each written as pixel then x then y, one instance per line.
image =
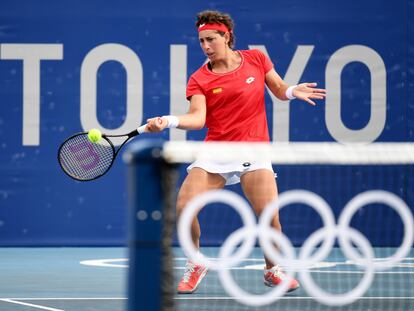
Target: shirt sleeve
pixel 265 61
pixel 193 88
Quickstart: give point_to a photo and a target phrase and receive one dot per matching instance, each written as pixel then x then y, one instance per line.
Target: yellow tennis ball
pixel 94 135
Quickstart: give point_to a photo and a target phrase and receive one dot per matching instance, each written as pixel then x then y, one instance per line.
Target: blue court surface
pixel 77 279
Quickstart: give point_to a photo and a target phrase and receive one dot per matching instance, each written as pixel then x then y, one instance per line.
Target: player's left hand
pixel 308 91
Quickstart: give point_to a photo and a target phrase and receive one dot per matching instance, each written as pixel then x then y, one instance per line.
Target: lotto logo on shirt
pixel 249 80
pixel 217 90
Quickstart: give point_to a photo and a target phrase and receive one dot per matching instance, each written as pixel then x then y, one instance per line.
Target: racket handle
pixel 141 129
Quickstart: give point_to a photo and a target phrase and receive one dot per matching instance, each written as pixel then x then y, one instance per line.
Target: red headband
pixel 218 27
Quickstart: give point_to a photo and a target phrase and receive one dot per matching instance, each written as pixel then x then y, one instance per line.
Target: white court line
pixel 186 297
pixel 290 298
pixel 212 258
pixel 115 263
pixel 105 263
pixel 318 271
pixel 30 305
pixel 65 298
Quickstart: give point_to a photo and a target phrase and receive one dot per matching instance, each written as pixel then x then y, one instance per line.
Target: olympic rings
pixel 316 202
pixel 339 299
pixel 286 257
pixel 393 201
pixel 231 286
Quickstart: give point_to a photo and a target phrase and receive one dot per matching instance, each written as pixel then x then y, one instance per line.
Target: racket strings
pixel 84 160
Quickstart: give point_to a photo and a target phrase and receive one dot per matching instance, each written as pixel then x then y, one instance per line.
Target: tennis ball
pixel 94 135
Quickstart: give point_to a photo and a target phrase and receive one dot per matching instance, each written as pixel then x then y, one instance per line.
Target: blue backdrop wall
pixel 67 66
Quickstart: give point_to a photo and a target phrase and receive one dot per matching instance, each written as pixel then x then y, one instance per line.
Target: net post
pixel 151 224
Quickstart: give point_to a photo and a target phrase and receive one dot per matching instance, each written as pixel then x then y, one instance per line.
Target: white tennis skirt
pixel 231 171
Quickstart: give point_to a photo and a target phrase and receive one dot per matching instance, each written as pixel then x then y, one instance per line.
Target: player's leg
pixel 260 188
pixel 196 182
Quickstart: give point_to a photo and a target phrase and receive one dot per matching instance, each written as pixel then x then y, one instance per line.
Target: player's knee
pixel 260 207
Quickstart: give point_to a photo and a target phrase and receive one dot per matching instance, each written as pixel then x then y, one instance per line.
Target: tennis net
pixel 345 211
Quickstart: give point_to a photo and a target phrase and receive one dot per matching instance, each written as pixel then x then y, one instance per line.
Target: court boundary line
pixel 15 301
pixel 187 297
pixel 65 298
pixel 112 263
pixel 290 298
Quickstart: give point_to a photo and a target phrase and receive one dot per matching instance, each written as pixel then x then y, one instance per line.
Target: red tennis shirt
pixel 235 100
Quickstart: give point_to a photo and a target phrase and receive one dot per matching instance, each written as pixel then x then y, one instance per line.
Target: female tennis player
pixel 227 95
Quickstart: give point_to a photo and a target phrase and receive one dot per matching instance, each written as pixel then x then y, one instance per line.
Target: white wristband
pixel 172 121
pixel 289 92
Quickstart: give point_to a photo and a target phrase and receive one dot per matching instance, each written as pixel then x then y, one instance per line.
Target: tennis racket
pixel 83 160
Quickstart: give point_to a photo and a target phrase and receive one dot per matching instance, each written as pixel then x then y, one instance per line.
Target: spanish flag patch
pixel 217 90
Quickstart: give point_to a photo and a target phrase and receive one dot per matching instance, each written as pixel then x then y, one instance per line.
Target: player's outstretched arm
pixel 304 91
pixel 194 119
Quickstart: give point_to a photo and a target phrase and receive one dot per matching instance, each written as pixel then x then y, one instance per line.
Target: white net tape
pixel 291 153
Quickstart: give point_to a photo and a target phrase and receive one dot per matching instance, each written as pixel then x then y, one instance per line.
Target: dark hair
pixel 216 17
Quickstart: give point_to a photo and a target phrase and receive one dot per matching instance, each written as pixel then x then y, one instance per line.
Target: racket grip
pixel 141 129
